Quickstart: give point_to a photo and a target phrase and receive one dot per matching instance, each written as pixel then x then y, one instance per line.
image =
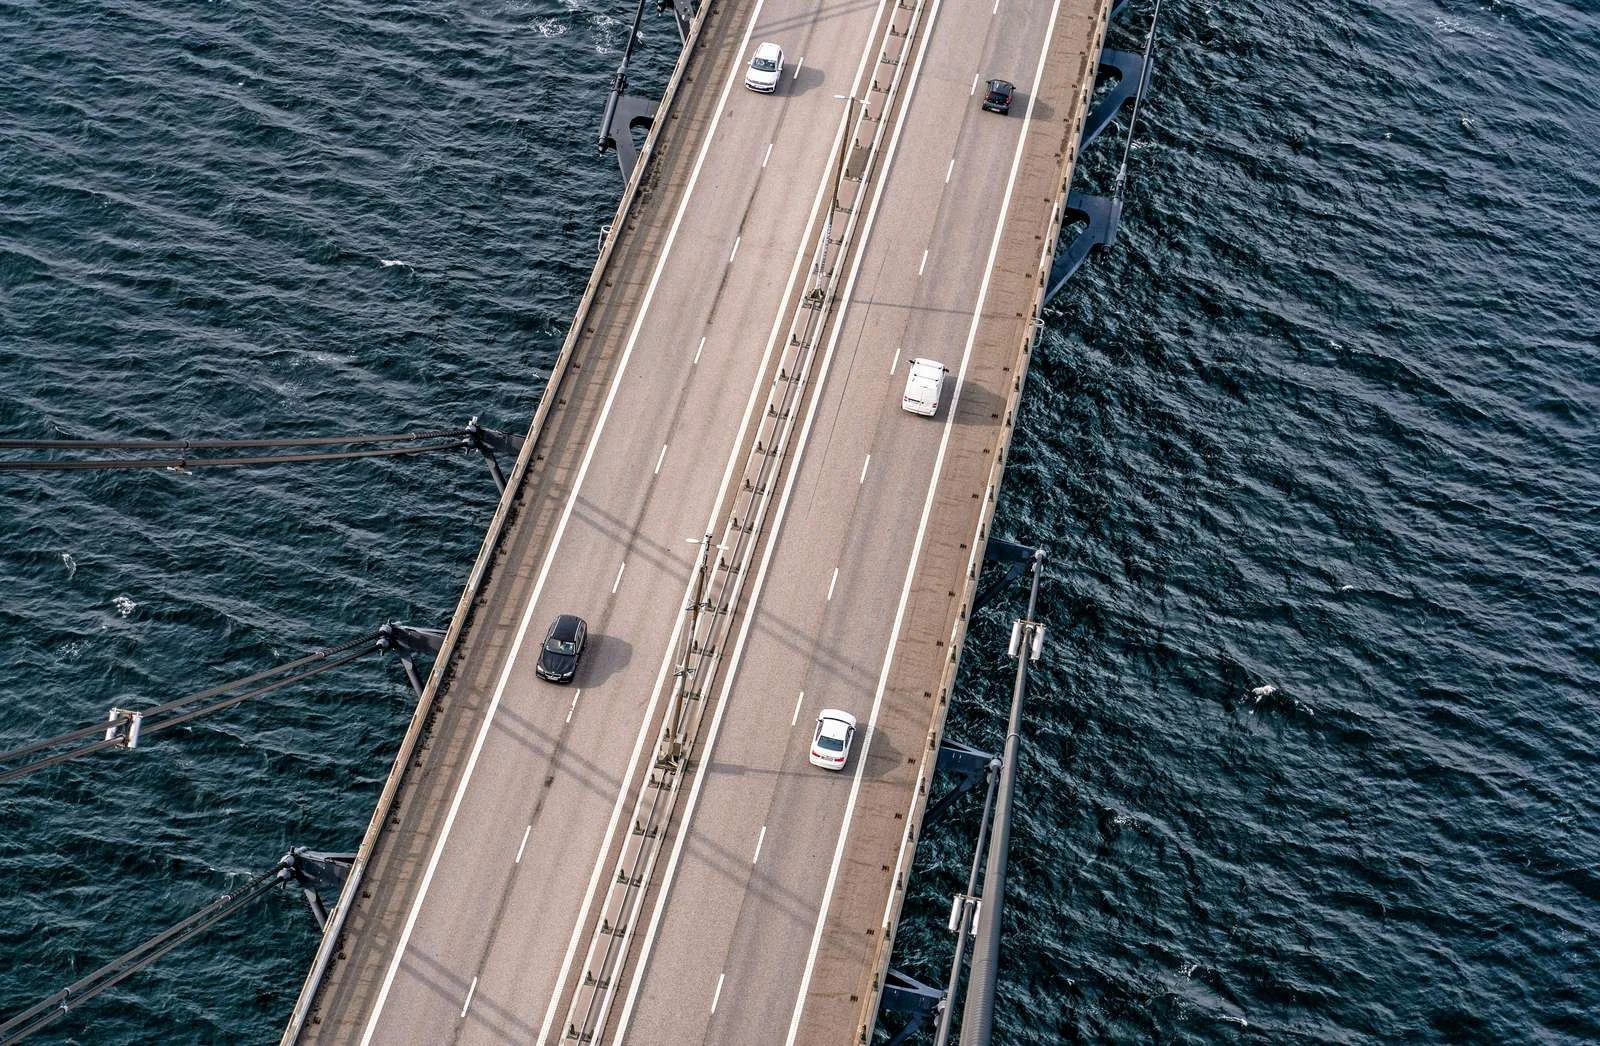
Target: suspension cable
pixel 295 671
pixel 185 463
pixel 218 444
pixel 51 1009
pixel 1133 117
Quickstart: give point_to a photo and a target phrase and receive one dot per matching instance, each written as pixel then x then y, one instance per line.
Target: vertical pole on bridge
pixel 977 1018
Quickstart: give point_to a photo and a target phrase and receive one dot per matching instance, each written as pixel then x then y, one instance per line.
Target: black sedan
pixel 998 100
pixel 563 645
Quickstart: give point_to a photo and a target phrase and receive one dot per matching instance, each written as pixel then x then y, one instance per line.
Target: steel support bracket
pixel 1101 214
pixel 624 113
pixel 407 641
pixel 682 14
pixel 968 764
pixel 1133 76
pixel 1017 557
pixel 903 993
pixel 313 869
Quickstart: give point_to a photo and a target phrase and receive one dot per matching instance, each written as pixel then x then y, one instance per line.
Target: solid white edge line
pixel 470 992
pixel 864 465
pixel 660 459
pixel 643 961
pixel 718 994
pixel 618 583
pixel 831 582
pixel 916 552
pixel 525 833
pixel 801 252
pixel 759 840
pixel 549 559
pixel 797 702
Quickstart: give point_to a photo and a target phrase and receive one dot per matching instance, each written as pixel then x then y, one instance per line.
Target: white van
pixel 924 387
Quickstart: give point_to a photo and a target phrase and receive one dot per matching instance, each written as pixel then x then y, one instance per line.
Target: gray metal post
pixel 977 1018
pixel 947 1006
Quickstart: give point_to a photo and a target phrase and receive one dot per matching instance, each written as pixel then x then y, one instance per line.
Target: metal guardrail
pixel 705 634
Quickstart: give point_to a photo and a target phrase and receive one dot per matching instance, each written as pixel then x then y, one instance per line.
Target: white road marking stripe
pixel 469 996
pixel 529 830
pixel 832 582
pixel 759 840
pixel 950 170
pixel 864 465
pixel 718 994
pixel 974 85
pixel 797 66
pixel 544 572
pixel 660 459
pixel 924 264
pixel 767 157
pixel 796 717
pixel 698 351
pixel 894 363
pixel 922 526
pixel 734 460
pixel 735 252
pixel 574 706
pixel 755 597
pixel 618 583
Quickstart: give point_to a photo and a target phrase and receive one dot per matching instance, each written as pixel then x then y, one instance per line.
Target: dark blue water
pixel 1314 450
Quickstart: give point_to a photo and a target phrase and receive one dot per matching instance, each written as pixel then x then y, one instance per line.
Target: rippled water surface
pixel 1314 450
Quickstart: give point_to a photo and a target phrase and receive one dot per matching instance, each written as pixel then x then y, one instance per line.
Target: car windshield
pixel 561 646
pixel 764 65
pixel 831 744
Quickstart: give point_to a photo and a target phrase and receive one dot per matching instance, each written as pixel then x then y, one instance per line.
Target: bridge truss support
pixel 903 993
pixel 626 113
pixel 1098 216
pixel 313 870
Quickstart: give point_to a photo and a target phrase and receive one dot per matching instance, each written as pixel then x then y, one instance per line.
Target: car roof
pixel 566 626
pixel 768 50
pixel 1000 85
pixel 837 715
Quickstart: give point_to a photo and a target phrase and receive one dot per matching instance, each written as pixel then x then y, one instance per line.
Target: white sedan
pixel 830 746
pixel 766 68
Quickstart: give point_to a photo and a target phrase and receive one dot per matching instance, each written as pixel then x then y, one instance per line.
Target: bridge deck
pixel 854 944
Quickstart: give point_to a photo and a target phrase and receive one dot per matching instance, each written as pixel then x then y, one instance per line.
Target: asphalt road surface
pixel 474 920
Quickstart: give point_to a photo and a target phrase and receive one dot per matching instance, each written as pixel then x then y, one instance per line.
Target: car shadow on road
pixel 805 79
pixel 606 656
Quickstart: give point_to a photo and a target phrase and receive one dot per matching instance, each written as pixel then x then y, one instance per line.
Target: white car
pixel 924 387
pixel 766 68
pixel 830 746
